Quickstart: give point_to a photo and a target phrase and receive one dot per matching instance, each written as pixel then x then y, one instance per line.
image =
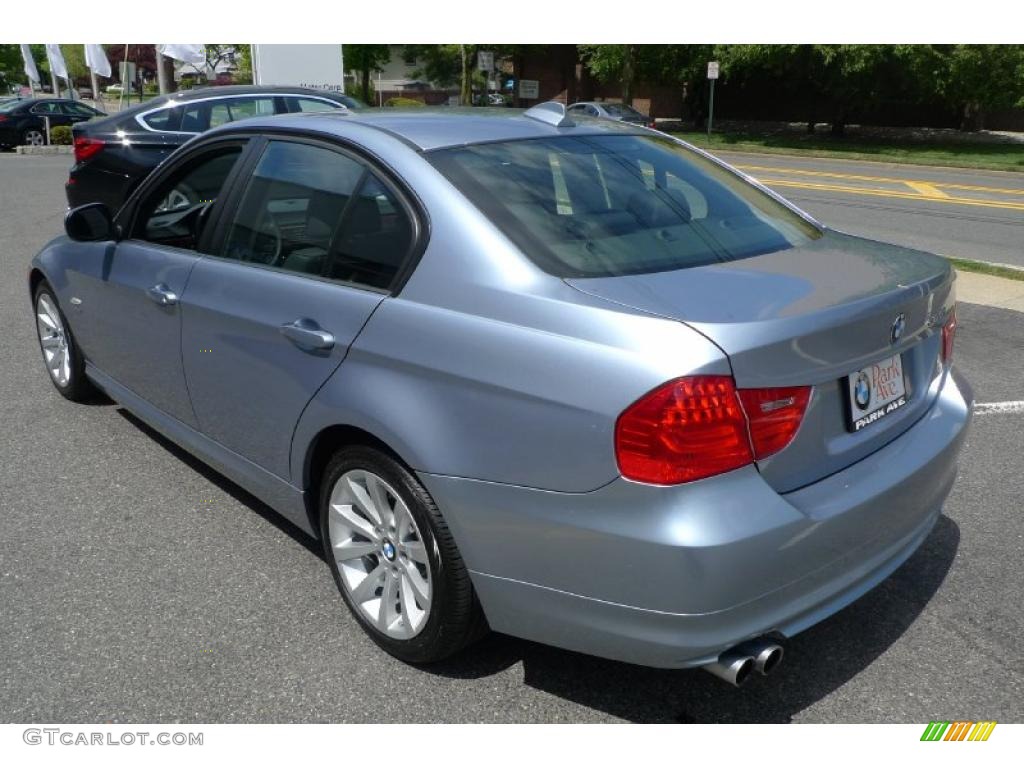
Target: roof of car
pixel 429 128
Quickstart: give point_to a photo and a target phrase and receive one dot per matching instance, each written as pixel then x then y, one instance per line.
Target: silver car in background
pixel 568 379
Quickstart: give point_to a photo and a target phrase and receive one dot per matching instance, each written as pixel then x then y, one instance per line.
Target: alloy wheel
pixel 54 340
pixel 380 554
pixel 34 138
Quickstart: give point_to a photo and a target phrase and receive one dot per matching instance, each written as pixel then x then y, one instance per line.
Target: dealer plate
pixel 875 391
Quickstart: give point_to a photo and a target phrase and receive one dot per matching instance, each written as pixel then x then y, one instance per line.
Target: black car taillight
pixel 86 147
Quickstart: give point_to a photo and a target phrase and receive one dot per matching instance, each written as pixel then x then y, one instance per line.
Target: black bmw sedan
pixel 114 154
pixel 23 121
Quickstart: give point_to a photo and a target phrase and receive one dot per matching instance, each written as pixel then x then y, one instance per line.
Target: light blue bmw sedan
pixel 567 379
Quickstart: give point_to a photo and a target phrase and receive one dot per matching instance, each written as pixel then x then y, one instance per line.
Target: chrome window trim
pixel 141 117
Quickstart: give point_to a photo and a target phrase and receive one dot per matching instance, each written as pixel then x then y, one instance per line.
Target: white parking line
pixel 1010 406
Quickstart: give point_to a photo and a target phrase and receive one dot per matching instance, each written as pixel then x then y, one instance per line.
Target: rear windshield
pixel 597 206
pixel 10 106
pixel 620 110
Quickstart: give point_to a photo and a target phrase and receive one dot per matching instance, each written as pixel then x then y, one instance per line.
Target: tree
pixel 840 78
pixel 365 59
pixel 11 67
pixel 978 78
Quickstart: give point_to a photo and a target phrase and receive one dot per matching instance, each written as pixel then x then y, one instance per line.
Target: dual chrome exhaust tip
pixel 736 665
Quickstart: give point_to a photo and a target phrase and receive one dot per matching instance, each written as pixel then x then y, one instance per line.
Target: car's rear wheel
pixel 61 355
pixel 394 559
pixel 33 137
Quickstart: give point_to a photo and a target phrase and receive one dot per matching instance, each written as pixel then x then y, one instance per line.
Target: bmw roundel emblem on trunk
pixel 862 391
pixel 897 328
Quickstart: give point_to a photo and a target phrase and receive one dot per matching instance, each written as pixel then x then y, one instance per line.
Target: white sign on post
pixel 712 70
pixel 485 61
pixel 529 89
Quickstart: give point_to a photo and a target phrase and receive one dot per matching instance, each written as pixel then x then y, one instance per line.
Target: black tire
pixel 78 388
pixel 455 618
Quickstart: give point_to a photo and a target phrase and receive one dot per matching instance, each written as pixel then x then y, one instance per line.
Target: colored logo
pixel 862 391
pixel 897 328
pixel 960 730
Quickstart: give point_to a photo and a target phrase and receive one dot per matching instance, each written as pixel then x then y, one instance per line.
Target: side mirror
pixel 89 223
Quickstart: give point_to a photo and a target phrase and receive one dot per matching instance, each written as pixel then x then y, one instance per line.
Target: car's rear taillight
pixel 684 430
pixel 86 147
pixel 699 426
pixel 948 336
pixel 774 414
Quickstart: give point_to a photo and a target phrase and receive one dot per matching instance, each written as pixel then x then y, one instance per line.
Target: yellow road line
pixel 925 190
pixel 883 179
pixel 1013 206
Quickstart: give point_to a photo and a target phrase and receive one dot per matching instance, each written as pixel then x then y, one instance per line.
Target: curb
pixel 52 149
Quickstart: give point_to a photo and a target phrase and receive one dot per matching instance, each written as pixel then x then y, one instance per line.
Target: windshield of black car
pixel 600 205
pixel 10 106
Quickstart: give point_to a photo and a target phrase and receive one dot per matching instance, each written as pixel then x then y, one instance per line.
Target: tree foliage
pixel 365 59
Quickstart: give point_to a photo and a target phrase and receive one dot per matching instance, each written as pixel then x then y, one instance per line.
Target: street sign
pixel 712 70
pixel 529 89
pixel 485 61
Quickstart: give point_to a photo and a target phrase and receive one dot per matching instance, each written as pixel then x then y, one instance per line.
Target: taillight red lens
pixel 774 415
pixel 685 430
pixel 86 147
pixel 948 336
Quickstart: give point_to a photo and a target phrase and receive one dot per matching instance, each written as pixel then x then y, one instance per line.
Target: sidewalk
pixel 974 288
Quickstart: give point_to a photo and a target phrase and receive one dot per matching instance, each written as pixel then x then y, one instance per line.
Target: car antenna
pixel 552 113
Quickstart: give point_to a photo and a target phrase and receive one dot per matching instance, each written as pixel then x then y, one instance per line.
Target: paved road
pixel 953 212
pixel 136 585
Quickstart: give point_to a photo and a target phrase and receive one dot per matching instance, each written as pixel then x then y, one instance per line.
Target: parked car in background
pixel 22 121
pixel 112 156
pixel 612 111
pixel 578 382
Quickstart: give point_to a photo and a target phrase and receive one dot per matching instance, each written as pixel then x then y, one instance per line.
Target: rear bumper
pixel 670 577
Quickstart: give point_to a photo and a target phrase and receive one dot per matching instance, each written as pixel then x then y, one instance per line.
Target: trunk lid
pixel 811 315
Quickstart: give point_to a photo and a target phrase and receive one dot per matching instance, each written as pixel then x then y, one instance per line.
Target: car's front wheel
pixel 61 355
pixel 394 559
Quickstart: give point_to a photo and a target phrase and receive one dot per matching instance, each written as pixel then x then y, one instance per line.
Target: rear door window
pixel 316 211
pixel 299 104
pixel 164 119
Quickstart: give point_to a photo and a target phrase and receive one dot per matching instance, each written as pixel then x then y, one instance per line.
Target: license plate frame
pixel 875 391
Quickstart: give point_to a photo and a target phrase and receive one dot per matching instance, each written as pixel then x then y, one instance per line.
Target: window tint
pixel 219 114
pixel 621 110
pixel 78 110
pixel 204 115
pixel 175 213
pixel 164 120
pixel 612 205
pixel 296 104
pixel 46 108
pixel 250 106
pixel 315 211
pixel 375 238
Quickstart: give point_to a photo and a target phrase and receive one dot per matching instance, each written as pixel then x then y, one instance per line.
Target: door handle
pixel 307 334
pixel 162 295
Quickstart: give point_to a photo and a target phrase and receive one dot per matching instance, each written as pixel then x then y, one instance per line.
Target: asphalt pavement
pixel 950 211
pixel 136 585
